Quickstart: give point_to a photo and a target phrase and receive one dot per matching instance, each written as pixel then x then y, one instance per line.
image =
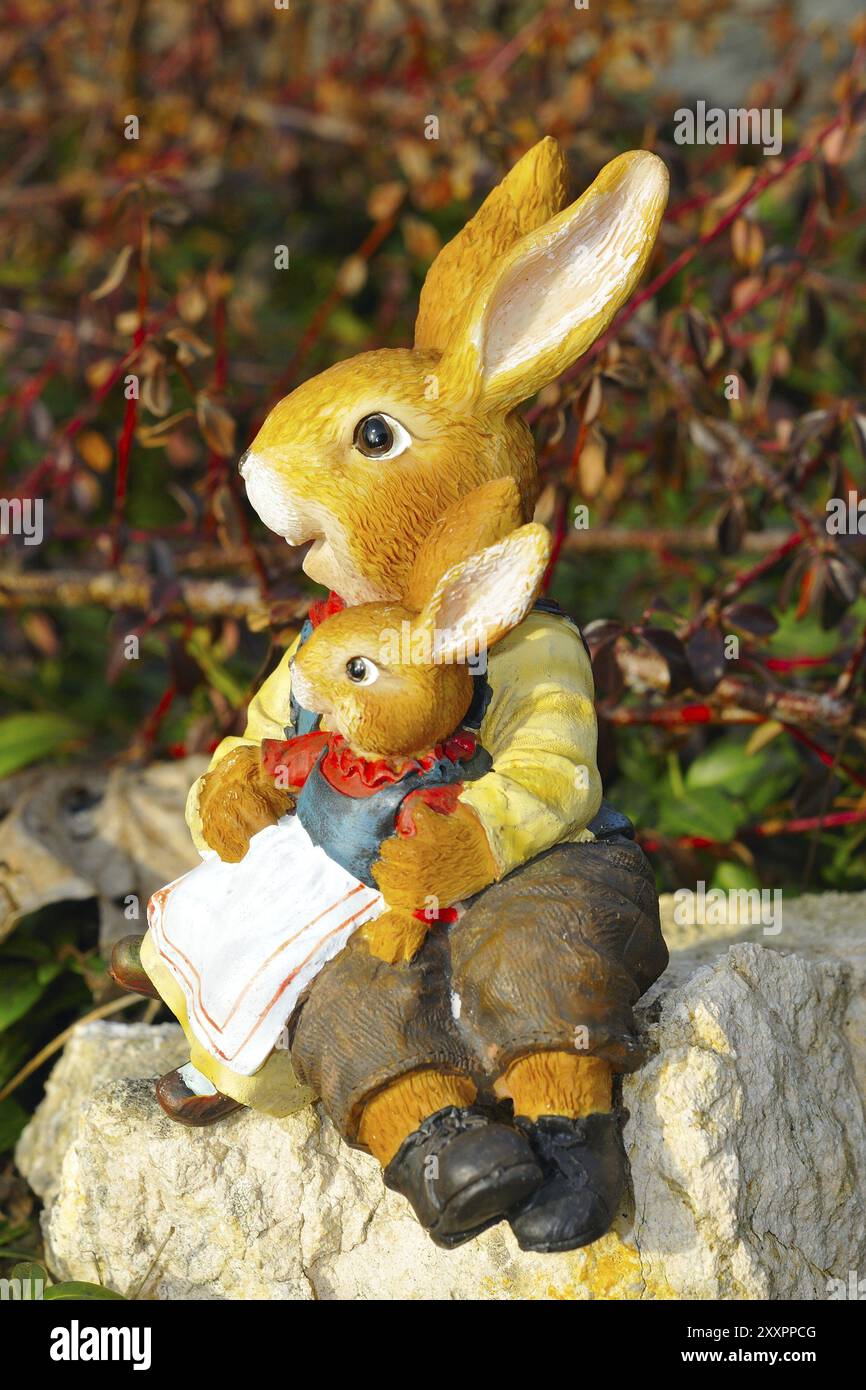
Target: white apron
pixel 244 940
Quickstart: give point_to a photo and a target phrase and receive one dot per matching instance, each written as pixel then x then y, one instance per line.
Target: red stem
pixel 130 414
pixel 764 831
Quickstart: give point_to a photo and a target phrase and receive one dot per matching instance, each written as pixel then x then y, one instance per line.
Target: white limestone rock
pixel 748 1145
pixel 79 832
pixel 747 1142
pixel 95 1054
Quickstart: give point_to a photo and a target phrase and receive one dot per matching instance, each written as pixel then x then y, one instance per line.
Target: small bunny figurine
pixel 474 1059
pixel 395 685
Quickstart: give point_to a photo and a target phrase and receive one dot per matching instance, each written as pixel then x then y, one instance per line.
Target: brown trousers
pixel 554 956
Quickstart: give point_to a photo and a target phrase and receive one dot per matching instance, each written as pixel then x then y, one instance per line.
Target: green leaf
pixel 34 1280
pixel 13 1118
pixel 201 649
pixel 725 765
pixel 15 1047
pixel 20 946
pixel 80 1289
pixel 26 738
pixel 23 985
pixel 732 874
pixel 707 813
pixel 758 778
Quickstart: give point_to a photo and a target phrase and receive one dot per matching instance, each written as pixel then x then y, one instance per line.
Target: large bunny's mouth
pixel 300 521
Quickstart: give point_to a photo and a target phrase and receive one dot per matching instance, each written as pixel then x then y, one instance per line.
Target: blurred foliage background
pixel 155 158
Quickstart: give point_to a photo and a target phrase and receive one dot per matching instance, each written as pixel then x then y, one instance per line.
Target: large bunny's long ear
pixel 479 600
pixel 474 521
pixel 552 293
pixel 531 193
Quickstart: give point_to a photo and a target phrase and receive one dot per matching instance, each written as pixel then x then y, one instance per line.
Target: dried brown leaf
pixel 115 276
pixel 216 424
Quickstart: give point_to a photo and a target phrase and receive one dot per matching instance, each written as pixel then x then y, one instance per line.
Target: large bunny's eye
pixel 380 437
pixel 361 670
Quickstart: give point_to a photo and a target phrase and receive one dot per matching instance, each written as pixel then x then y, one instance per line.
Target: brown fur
pixel 395 936
pixel 236 800
pixel 501 315
pixel 418 698
pixel 423 687
pixel 531 192
pixel 394 1114
pixel 558 1083
pixel 409 709
pixel 448 858
pixel 375 514
pixel 486 339
pixel 467 526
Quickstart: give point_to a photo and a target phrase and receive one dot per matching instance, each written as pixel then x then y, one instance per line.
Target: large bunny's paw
pixel 446 859
pixel 395 937
pixel 237 799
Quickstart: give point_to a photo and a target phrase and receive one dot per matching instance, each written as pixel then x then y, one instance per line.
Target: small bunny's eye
pixel 380 437
pixel 361 670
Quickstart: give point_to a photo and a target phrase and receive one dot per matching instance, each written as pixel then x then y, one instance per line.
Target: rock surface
pixel 97 1053
pixel 88 832
pixel 747 1143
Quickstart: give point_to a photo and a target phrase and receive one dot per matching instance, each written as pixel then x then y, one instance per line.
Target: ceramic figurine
pixel 414 904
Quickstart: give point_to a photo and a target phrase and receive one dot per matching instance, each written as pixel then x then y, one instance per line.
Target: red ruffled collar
pixel 353 775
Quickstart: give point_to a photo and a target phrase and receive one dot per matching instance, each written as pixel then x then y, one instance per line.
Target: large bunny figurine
pixel 476 1060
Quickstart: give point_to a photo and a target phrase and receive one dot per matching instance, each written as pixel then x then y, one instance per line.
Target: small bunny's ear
pixel 480 599
pixel 483 516
pixel 547 299
pixel 533 191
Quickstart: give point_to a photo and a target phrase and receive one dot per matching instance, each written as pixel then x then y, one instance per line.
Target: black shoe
pixel 585 1171
pixel 462 1172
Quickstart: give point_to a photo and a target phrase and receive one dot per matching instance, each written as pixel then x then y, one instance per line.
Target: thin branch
pixel 133 587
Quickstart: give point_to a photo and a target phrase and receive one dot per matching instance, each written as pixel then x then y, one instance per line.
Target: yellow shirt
pixel 539 728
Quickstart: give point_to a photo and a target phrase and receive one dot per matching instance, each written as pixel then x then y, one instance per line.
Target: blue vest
pixel 350 829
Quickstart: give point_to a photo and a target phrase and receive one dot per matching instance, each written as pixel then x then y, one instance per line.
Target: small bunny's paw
pixel 445 859
pixel 237 799
pixel 395 936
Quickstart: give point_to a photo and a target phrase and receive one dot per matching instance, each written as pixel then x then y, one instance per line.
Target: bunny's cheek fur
pixel 304 691
pixel 330 564
pixel 375 522
pixel 328 561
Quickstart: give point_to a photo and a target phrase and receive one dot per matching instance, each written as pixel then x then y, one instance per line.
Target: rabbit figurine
pixel 418 1042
